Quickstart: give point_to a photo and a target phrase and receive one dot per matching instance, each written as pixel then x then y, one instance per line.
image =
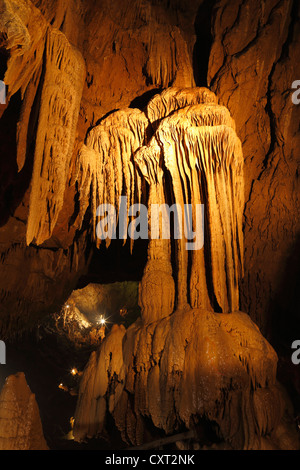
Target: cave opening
pixel 116 263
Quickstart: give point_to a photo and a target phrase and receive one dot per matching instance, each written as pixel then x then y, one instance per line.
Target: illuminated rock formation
pixel 105 168
pixel 59 109
pixel 181 361
pixel 64 150
pixel 252 65
pixel 194 364
pixel 20 424
pixel 45 76
pixel 195 143
pixel 59 69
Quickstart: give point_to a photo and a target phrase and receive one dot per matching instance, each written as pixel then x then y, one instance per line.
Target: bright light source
pixel 74 371
pixel 67 306
pixel 102 320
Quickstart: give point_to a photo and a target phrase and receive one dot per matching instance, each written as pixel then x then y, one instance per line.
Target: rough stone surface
pixel 134 48
pixel 253 63
pixel 20 424
pixel 152 371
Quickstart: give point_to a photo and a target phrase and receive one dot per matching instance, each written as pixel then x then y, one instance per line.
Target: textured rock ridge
pixel 44 78
pixel 252 65
pixel 102 102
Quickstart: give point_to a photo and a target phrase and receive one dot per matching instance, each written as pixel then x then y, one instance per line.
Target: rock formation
pixel 194 141
pixel 59 109
pixel 52 51
pixel 164 103
pixel 249 80
pixel 20 424
pixel 181 361
pixel 152 371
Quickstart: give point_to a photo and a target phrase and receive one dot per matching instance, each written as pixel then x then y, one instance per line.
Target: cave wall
pixel 130 50
pixel 252 65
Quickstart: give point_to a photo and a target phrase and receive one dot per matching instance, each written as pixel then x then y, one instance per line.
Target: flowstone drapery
pixel 192 354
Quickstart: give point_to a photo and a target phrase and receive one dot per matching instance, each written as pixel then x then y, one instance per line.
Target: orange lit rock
pixel 194 141
pixel 20 424
pixel 191 364
pixel 175 367
pixel 252 66
pixel 65 149
pixel 60 101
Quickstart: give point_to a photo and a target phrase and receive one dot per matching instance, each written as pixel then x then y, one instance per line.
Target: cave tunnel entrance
pixel 64 341
pixel 110 285
pixel 116 263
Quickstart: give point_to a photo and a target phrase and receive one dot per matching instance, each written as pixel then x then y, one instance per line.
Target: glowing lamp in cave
pixel 102 321
pixel 74 371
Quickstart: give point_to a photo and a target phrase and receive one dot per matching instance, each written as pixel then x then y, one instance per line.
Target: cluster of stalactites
pixel 105 169
pixel 185 136
pixel 42 66
pixel 204 158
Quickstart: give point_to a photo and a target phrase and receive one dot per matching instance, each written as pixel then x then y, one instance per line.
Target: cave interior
pixel 119 339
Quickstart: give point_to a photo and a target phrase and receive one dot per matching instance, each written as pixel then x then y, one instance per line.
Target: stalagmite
pixel 197 146
pixel 157 288
pixel 20 424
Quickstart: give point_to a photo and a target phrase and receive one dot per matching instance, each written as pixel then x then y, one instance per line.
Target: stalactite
pixel 17 37
pixel 24 28
pixel 171 99
pixel 59 110
pixel 105 168
pixel 203 155
pixel 168 62
pixel 198 146
pixel 157 288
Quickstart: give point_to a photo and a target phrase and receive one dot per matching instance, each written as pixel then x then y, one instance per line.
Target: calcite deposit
pixel 20 423
pixel 183 361
pixel 159 102
pixel 190 365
